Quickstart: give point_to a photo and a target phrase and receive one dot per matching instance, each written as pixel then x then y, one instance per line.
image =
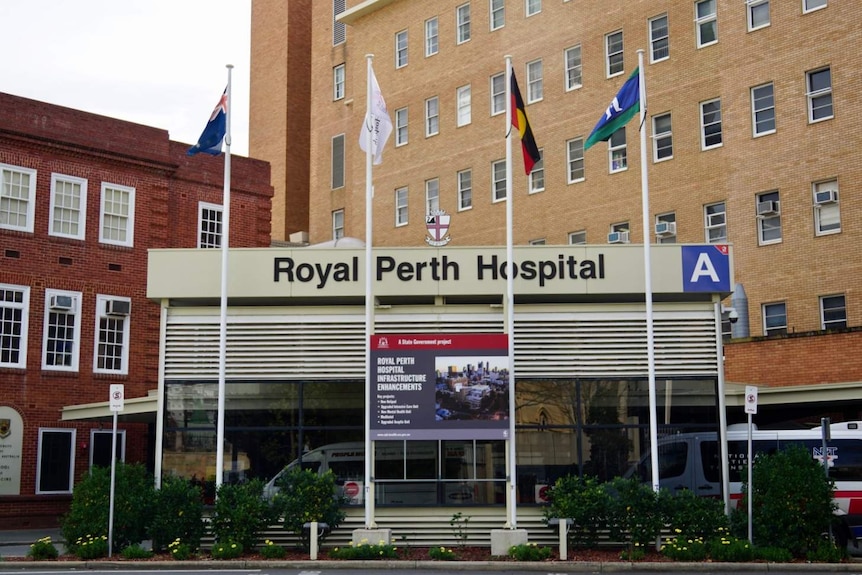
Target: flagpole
pixel 369 293
pixel 510 303
pixel 222 340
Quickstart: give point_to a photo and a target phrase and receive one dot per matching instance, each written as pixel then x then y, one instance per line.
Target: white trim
pixel 73 436
pixel 31 197
pixel 101 304
pixel 81 209
pixel 24 306
pixel 76 331
pixel 128 218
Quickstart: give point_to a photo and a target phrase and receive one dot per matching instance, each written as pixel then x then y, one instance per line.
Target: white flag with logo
pixel 377 122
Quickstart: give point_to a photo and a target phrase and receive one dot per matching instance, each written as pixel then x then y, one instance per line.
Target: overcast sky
pixel 160 63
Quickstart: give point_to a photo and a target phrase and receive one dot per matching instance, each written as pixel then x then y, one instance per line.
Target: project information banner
pixel 432 386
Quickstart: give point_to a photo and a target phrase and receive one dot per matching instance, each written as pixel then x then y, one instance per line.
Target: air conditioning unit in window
pixel 618 238
pixel 60 302
pixel 665 229
pixel 826 197
pixel 117 307
pixel 768 208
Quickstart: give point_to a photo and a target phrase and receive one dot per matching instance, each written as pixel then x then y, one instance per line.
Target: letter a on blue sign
pixel 706 268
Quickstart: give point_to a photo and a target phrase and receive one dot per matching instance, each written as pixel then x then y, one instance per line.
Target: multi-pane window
pixel 117 216
pixel 498 14
pixel 659 38
pixel 617 158
pixel 775 318
pixel 827 210
pixel 56 462
pixel 809 5
pixel 400 126
pixel 464 104
pixel 716 223
pixel 498 180
pixel 338 82
pixel 758 13
pixel 432 116
pixel 337 224
pixel 532 7
pixel 662 135
pixel 337 162
pixel 401 49
pixel 768 209
pixel 614 53
pixel 665 228
pixel 575 160
pixel 401 207
pixel 432 195
pixel 763 109
pixel 339 29
pixel 62 330
pixel 572 57
pixel 534 81
pixel 578 238
pixel 17 198
pixel 819 94
pixel 68 206
pixel 706 22
pixel 465 190
pixel 537 176
pixel 498 94
pixel 209 225
pixel 710 124
pixel 432 40
pixel 833 312
pixel 462 22
pixel 14 315
pixel 111 354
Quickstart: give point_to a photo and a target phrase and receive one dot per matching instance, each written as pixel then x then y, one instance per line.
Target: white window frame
pixel 338 224
pixel 498 181
pixel 706 124
pixel 715 222
pixel 128 218
pixel 107 437
pixel 763 110
pixel 538 242
pixel 465 189
pixel 401 206
pixel 432 116
pixel 705 21
pixel 768 227
pixel 462 23
pixel 401 125
pixel 535 83
pixel 829 323
pixel 6 197
pixel 573 65
pixel 338 78
pixel 532 7
pixel 813 5
pixel 432 36
pixel 577 238
pixel 463 101
pixel 210 232
pixel 432 195
pixel 618 152
pixel 780 311
pixel 101 307
pixel 614 54
pixel 827 217
pixel 575 161
pixel 668 218
pixel 662 138
pixel 338 165
pixel 498 93
pixel 62 213
pixel 816 96
pixel 72 432
pixel 536 179
pixel 401 45
pixel 659 39
pixel 496 14
pixel 13 292
pixel 48 330
pixel 754 8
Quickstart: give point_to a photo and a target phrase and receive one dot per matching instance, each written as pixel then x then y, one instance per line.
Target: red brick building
pixel 82 199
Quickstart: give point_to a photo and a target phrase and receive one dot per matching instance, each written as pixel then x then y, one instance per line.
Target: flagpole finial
pixel 640 51
pixel 229 66
pixel 370 56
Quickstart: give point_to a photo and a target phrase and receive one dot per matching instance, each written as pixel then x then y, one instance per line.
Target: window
pixel 819 95
pixel 14 316
pixel 339 29
pixel 337 224
pixel 578 238
pixel 498 94
pixel 400 126
pixel 432 195
pixel 572 57
pixel 614 53
pixel 432 45
pixel 56 463
pixel 101 442
pixel 575 159
pixel 17 198
pixel 619 233
pixel 338 162
pixel 111 354
pixel 401 207
pixel 462 22
pixel 68 207
pixel 716 223
pixel 498 180
pixel 809 5
pixel 534 81
pixel 775 319
pixel 432 116
pixel 662 135
pixel 665 228
pixel 117 216
pixel 62 330
pixel 401 49
pixel 710 124
pixel 827 211
pixel 532 7
pixel 338 82
pixel 758 14
pixel 209 225
pixel 659 39
pixel 768 218
pixel 617 160
pixel 498 14
pixel 706 23
pixel 538 242
pixel 833 312
pixel 465 190
pixel 763 109
pixel 537 176
pixel 462 96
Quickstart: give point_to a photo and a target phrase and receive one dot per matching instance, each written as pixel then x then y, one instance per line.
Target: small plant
pixel 227 550
pixel 634 552
pixel 442 554
pixel 43 549
pixel 729 549
pixel 459 523
pixel 179 550
pixel 529 552
pixel 681 548
pixel 91 547
pixel 363 550
pixel 826 552
pixel 241 513
pixel 272 551
pixel 136 552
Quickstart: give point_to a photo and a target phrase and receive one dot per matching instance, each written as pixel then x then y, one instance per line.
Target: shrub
pixel 691 516
pixel 43 549
pixel 633 512
pixel 179 550
pixel 730 549
pixel 827 552
pixel 442 554
pixel 272 551
pixel 365 551
pixel 303 497
pixel 529 552
pixel 91 547
pixel 178 514
pixel 136 552
pixel 583 500
pixel 227 550
pixel 773 554
pixel 683 548
pixel 241 514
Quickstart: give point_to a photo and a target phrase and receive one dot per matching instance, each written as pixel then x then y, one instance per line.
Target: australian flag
pixel 214 132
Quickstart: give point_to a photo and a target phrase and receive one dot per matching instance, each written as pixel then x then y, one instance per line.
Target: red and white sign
pixel 750 399
pixel 353 491
pixel 542 493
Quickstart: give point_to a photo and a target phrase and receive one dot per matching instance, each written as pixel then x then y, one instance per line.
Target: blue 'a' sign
pixel 706 268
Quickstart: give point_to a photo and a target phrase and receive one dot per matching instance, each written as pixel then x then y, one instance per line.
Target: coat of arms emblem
pixel 5 428
pixel 437 224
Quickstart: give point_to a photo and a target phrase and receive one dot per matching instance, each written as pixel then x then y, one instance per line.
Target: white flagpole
pixel 510 304
pixel 222 336
pixel 368 125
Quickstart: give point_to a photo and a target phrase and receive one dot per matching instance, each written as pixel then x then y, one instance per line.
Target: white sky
pixel 160 63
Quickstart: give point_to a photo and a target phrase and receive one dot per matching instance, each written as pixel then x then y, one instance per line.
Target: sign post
pixel 116 406
pixel 750 409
